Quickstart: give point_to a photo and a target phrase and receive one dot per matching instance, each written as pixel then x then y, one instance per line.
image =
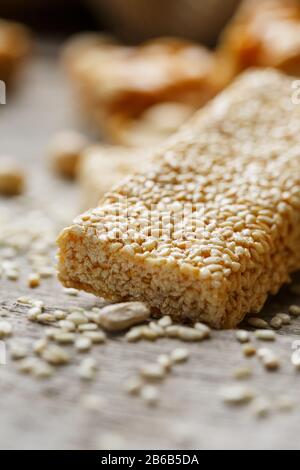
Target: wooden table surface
pixel 48 414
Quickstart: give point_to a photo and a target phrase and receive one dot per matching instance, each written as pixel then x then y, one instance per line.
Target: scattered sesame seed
pixel 203 328
pixel 257 322
pixel 120 316
pixel 40 345
pixel 295 359
pixel 55 355
pixel 294 310
pixel 77 318
pixel 46 318
pixel 190 334
pixel 133 385
pixel 165 361
pixel 276 323
pixel 265 335
pixel 26 365
pixel 42 370
pixel 153 371
pixel 33 313
pixel 18 350
pixel 134 334
pixel 150 395
pixel 261 407
pixel 148 333
pixel 83 344
pixel 6 329
pixel 284 317
pixel 179 355
pixel 249 350
pixel 33 280
pixel 165 321
pixel 60 314
pixel 242 373
pixel 66 325
pixel 237 394
pixel 172 331
pixel 96 337
pixel 242 336
pixel 65 337
pixel 87 369
pixel 87 327
pixel 70 291
pixel 269 359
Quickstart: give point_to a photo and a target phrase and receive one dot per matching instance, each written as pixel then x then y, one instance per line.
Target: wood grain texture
pixel 47 414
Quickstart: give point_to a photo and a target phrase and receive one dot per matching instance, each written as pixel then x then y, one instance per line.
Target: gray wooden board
pixel 47 414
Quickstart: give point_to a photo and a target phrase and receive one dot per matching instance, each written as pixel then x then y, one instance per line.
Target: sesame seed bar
pixel 15 44
pixel 234 168
pixel 103 166
pixel 262 34
pixel 119 84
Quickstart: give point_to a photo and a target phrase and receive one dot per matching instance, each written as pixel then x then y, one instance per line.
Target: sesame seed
pixel 172 331
pixel 276 323
pixel 66 325
pixel 269 359
pixel 33 280
pixel 295 359
pixel 249 350
pixel 77 318
pixel 96 337
pixel 134 334
pixel 203 328
pixel 55 355
pixel 121 316
pixel 70 291
pixel 45 318
pixel 33 313
pixel 165 361
pixel 42 370
pixel 133 385
pixel 153 371
pixel 242 336
pixel 87 327
pixel 148 333
pixel 261 407
pixel 83 344
pixel 190 334
pixel 179 355
pixel 40 345
pixel 257 322
pixel 87 369
pixel 60 314
pixel 26 365
pixel 18 350
pixel 165 321
pixel 242 373
pixel 237 394
pixel 65 337
pixel 6 329
pixel 284 317
pixel 265 335
pixel 150 395
pixel 294 310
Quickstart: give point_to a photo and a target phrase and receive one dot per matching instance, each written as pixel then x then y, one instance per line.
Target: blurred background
pixel 129 20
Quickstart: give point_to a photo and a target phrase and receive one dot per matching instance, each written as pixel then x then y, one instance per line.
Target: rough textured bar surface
pixel 239 158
